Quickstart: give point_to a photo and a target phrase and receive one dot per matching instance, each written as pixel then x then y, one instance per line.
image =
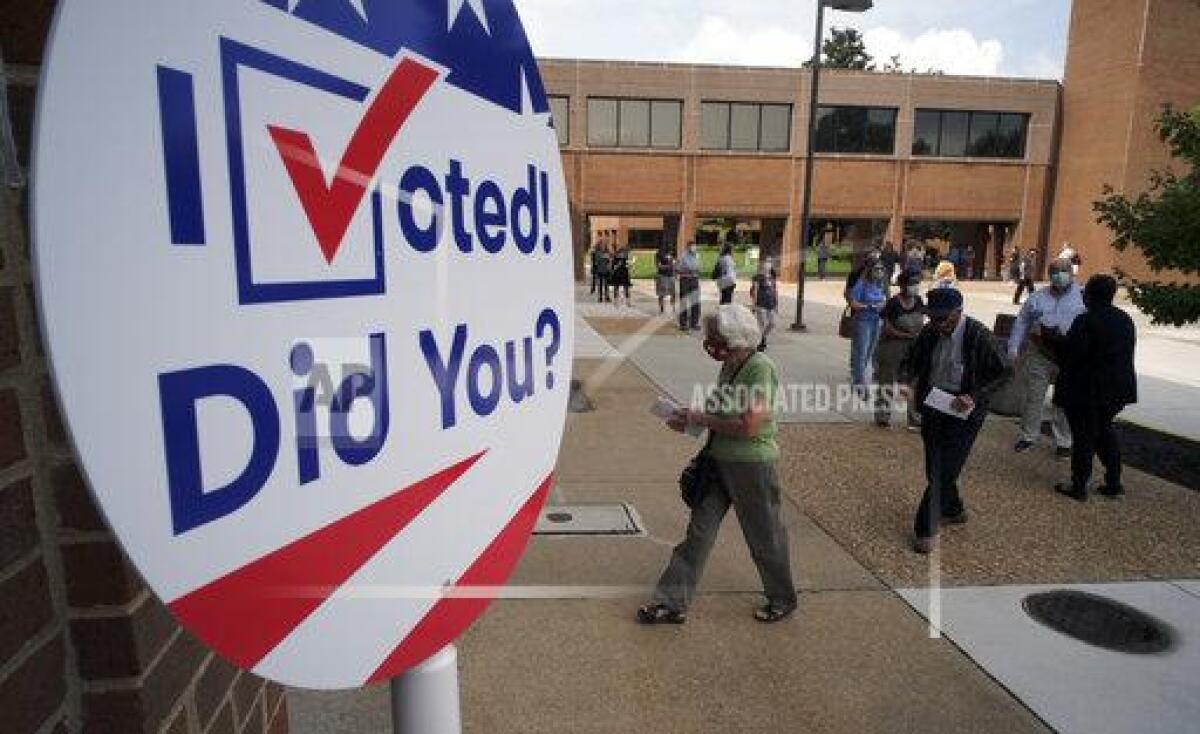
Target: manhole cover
pixel 1099 621
pixel 583 520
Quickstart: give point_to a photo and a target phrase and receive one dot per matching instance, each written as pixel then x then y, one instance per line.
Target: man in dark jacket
pixel 953 354
pixel 1096 382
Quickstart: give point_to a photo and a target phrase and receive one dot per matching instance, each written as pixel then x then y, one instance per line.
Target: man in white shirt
pixel 1041 328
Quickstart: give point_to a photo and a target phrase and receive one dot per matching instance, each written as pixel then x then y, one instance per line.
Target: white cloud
pixel 718 41
pixel 954 51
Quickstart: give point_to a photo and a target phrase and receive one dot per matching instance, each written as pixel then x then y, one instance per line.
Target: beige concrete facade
pixel 690 183
pixel 1126 58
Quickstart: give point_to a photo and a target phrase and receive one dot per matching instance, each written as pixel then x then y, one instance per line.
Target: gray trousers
pixel 1039 374
pixel 753 490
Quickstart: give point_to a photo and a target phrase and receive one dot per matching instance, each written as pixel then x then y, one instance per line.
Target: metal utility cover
pixel 614 519
pixel 1100 621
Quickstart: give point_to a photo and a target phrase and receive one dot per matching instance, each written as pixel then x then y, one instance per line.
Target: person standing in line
pixel 764 294
pixel 867 299
pixel 869 261
pixel 664 281
pixel 602 267
pixel 742 449
pixel 1043 322
pixel 688 268
pixel 1025 280
pixel 945 276
pixel 822 258
pixel 1014 268
pixel 969 262
pixel 1070 253
pixel 595 252
pixel 958 355
pixel 1097 381
pixel 891 261
pixel 621 276
pixel 903 318
pixel 725 273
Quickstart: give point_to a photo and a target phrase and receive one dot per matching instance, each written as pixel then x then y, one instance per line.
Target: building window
pixel 856 130
pixel 635 123
pixel 746 126
pixel 950 133
pixel 560 117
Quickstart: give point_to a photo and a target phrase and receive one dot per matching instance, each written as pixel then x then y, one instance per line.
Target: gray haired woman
pixel 742 450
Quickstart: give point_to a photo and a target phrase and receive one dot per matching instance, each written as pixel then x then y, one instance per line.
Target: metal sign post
pixel 425 698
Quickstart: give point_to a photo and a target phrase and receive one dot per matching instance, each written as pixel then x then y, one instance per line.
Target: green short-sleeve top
pixel 756 380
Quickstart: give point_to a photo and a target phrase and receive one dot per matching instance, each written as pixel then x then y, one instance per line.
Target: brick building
pixel 1125 59
pixel 988 163
pixel 969 157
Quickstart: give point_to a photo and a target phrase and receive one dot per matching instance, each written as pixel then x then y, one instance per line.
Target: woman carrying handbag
pixel 736 469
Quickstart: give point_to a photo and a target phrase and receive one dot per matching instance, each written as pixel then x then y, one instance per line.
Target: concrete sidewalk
pixel 865 653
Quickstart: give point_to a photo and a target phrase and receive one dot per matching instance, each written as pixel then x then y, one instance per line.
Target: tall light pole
pixel 846 6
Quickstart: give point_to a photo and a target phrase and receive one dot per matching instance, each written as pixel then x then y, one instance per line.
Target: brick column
pixel 84 646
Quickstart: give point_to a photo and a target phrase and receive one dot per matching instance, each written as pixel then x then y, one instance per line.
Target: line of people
pixel 1064 336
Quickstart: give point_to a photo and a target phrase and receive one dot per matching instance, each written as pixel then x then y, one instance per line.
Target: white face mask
pixel 914 290
pixel 1061 279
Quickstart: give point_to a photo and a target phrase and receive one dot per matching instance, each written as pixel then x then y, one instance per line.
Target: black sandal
pixel 660 614
pixel 769 613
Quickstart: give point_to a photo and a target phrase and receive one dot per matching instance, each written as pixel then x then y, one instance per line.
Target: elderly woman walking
pixel 740 458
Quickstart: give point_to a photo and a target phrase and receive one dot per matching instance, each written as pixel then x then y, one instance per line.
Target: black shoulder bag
pixel 701 472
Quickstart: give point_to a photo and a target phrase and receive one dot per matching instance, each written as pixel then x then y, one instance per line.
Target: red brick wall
pixel 84 645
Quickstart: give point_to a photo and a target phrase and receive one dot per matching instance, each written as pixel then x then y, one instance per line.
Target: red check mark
pixel 330 207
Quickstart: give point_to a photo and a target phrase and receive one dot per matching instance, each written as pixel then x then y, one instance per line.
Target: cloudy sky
pixel 986 37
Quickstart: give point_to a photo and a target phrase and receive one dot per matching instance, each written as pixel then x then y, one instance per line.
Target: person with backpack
pixel 764 293
pixel 725 273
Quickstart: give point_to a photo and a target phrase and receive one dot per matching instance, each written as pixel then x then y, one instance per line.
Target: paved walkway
pixel 561 652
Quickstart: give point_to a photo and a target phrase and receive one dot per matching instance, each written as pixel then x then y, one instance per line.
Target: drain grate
pixel 582 520
pixel 1100 621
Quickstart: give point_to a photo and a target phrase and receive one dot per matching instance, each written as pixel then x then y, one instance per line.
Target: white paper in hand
pixel 665 408
pixel 943 401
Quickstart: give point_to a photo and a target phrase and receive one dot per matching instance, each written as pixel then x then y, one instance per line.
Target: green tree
pixel 846 49
pixel 1164 223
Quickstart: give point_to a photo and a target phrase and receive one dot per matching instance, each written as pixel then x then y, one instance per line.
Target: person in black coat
pixel 957 355
pixel 1096 381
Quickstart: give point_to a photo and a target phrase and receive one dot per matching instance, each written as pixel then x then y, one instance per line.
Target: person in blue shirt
pixel 867 298
pixel 1041 329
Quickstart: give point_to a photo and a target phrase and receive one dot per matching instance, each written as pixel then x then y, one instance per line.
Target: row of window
pixel 655 123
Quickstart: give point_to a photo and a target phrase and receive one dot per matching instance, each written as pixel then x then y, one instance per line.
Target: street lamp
pixel 845 6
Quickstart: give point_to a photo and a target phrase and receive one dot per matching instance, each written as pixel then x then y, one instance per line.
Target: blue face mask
pixel 1061 279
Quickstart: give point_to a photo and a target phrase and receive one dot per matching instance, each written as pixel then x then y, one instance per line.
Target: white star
pixel 454 9
pixel 356 4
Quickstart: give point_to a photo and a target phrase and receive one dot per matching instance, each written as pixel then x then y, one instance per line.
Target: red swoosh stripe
pixel 450 617
pixel 248 612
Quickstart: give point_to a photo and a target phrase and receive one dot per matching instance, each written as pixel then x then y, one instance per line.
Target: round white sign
pixel 305 277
